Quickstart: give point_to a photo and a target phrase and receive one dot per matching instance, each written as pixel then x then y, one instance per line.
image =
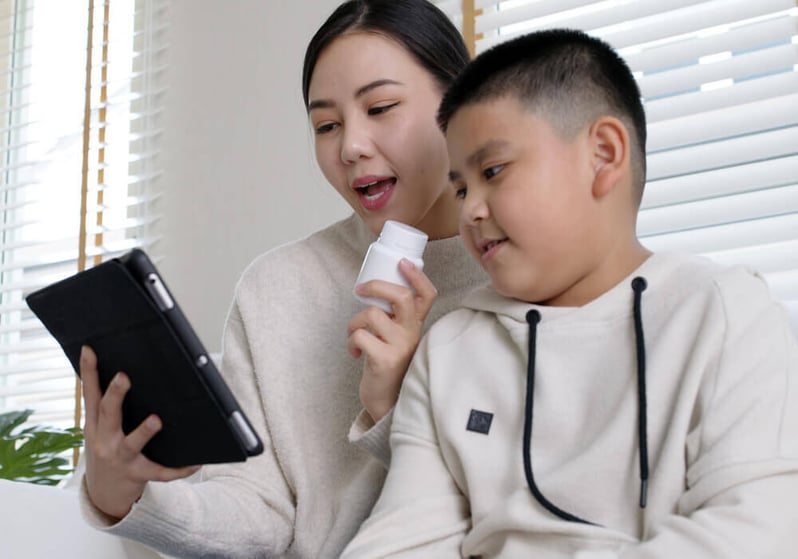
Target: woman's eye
pixel 324 128
pixel 379 109
pixel 491 172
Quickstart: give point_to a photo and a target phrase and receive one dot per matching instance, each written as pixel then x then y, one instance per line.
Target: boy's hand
pixel 389 341
pixel 116 470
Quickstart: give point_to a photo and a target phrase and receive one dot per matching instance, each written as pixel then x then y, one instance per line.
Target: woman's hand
pixel 116 470
pixel 389 341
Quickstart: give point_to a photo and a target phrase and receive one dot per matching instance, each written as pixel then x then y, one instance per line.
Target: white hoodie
pixel 721 427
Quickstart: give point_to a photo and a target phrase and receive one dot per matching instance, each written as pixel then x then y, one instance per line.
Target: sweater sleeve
pixel 236 510
pixel 421 512
pixel 741 498
pixel 373 437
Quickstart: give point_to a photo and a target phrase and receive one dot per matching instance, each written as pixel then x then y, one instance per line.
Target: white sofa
pixel 39 522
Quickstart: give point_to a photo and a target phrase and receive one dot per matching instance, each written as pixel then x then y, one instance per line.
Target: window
pixel 79 171
pixel 720 85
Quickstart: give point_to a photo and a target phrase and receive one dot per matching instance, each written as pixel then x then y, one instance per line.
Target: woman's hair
pixel 427 34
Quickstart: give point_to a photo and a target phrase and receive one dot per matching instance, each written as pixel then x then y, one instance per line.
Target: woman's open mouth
pixel 375 194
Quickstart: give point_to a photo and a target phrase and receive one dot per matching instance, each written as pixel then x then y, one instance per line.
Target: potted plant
pixel 35 454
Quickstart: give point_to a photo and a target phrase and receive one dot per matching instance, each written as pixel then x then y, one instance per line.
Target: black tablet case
pixel 106 308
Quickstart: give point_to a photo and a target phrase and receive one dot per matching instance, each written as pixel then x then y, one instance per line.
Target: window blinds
pixel 720 88
pixel 79 173
pixel 453 9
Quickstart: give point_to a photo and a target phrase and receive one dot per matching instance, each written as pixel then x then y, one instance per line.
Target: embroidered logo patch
pixel 479 421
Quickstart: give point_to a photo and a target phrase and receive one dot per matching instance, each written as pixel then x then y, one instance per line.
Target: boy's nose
pixel 474 208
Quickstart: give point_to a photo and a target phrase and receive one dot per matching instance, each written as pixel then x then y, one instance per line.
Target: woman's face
pixel 372 108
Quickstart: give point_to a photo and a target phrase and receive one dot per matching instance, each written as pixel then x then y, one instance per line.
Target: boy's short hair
pixel 567 76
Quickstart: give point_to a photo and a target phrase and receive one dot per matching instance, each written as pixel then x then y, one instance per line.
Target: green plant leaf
pixel 10 420
pixel 34 454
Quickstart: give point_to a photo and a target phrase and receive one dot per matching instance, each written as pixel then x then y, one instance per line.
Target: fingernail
pixel 407 263
pixel 154 422
pixel 359 289
pixel 121 380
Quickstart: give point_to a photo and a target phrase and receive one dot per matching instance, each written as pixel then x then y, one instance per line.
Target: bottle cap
pixel 404 238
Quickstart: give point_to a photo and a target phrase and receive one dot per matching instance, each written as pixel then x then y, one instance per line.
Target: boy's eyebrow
pixel 361 91
pixel 482 152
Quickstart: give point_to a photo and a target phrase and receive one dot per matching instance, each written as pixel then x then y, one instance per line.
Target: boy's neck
pixel 615 265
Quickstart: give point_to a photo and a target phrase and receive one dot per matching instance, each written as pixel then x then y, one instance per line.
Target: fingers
pixel 135 441
pixel 147 470
pixel 426 293
pixel 91 385
pixel 109 416
pixel 170 474
pixel 116 469
pixel 408 304
pixel 370 318
pixel 362 341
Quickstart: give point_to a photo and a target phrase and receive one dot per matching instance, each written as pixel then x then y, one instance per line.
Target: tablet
pixel 123 309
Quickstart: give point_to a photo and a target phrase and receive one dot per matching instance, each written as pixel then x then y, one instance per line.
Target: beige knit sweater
pixel 286 361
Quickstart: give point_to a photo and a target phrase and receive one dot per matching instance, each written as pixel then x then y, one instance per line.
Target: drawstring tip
pixel 643 493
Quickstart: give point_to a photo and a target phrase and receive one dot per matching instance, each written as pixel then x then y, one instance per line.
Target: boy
pixel 598 401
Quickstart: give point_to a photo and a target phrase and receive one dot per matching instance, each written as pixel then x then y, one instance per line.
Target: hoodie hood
pixel 609 307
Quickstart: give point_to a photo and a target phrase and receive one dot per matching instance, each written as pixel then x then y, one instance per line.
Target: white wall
pixel 240 176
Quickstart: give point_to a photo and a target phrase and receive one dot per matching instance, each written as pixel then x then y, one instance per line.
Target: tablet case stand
pixel 106 308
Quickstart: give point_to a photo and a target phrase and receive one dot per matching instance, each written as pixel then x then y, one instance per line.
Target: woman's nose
pixel 356 144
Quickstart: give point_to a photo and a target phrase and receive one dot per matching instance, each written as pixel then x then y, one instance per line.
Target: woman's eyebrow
pixel 361 91
pixel 374 85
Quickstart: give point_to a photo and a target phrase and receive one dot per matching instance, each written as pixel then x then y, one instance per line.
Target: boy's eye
pixel 379 109
pixel 491 172
pixel 324 128
pixel 460 192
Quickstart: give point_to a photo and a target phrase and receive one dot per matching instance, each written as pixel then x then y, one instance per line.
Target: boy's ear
pixel 610 154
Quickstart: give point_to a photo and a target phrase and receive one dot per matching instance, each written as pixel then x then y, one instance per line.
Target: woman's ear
pixel 610 154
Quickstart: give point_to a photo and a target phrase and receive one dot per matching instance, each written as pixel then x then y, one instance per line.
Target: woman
pixel 373 77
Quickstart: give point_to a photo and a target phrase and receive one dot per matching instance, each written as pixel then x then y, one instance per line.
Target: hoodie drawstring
pixel 638 286
pixel 533 318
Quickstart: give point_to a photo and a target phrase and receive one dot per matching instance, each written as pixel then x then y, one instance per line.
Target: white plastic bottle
pixel 396 241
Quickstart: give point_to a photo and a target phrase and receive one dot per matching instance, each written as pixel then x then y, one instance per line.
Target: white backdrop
pixel 240 176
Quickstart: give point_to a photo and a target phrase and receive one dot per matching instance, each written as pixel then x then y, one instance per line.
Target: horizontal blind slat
pixel 753 232
pixel 737 94
pixel 739 120
pixel 676 53
pixel 781 58
pixel 631 23
pixel 717 182
pixel 719 211
pixel 724 153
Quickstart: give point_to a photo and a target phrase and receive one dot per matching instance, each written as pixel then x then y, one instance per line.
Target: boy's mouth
pixel 486 245
pixel 490 247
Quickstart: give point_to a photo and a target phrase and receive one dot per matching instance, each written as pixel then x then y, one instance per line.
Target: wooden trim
pixel 470 34
pixel 102 118
pixel 84 187
pixel 84 192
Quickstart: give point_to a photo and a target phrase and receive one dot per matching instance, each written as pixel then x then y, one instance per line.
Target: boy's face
pixel 528 214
